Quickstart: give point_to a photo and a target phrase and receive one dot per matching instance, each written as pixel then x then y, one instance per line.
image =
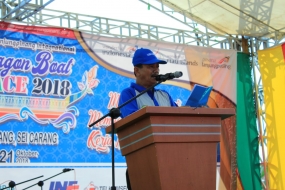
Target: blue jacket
pixel 150 98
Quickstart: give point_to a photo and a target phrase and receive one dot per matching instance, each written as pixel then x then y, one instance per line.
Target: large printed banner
pixel 272 65
pixel 55 82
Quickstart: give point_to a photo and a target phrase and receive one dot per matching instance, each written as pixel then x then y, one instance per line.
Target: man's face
pixel 144 74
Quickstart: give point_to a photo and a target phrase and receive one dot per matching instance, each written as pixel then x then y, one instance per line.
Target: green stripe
pixel 247 135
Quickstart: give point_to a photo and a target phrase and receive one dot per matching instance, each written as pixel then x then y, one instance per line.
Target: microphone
pixel 168 76
pixel 67 170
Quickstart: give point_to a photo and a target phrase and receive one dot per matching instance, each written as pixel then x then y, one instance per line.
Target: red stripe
pixel 283 50
pixel 48 31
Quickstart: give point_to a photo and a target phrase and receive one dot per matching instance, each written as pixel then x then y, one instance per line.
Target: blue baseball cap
pixel 146 57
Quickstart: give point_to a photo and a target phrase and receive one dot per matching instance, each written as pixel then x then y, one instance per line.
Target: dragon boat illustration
pixel 59 112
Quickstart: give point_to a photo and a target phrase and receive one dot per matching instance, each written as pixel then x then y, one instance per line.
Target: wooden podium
pixel 169 148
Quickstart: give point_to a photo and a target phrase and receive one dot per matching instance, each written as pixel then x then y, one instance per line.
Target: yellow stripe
pixel 272 68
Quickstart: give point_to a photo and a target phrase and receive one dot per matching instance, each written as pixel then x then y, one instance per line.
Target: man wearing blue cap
pixel 146 65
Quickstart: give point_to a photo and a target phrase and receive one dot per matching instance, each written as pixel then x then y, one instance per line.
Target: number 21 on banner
pixel 6 157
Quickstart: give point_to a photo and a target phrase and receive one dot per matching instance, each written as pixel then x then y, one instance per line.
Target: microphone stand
pixel 12 184
pixel 115 113
pixel 41 183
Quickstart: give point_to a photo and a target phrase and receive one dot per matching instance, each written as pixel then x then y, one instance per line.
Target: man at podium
pixel 146 66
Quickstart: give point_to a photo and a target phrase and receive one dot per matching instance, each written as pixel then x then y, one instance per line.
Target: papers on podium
pixel 199 96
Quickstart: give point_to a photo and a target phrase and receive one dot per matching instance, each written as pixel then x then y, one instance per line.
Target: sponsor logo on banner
pixel 91 186
pixel 216 64
pixel 65 185
pixel 224 60
pixel 73 185
pixel 118 51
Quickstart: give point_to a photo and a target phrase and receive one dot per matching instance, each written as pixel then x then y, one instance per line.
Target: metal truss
pixel 35 14
pixel 264 13
pixel 21 9
pixel 25 12
pixel 260 111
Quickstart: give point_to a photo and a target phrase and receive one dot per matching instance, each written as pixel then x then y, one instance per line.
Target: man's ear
pixel 136 70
